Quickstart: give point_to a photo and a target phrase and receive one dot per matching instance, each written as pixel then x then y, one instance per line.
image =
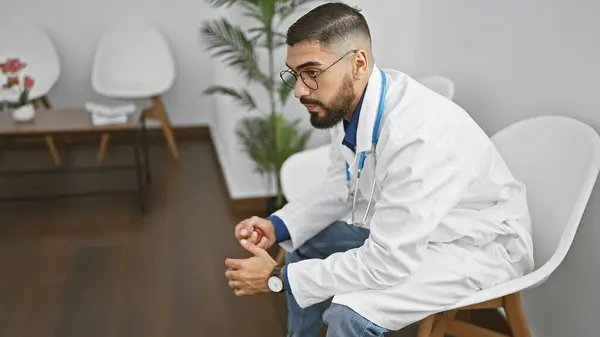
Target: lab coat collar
pixel 352 127
pixel 368 113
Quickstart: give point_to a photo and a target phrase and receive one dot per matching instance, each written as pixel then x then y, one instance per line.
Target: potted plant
pixel 269 138
pixel 16 90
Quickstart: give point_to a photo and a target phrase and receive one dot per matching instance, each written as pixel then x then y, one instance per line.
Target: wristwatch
pixel 275 282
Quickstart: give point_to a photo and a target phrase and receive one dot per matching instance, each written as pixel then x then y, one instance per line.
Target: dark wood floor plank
pixel 95 267
pixel 90 301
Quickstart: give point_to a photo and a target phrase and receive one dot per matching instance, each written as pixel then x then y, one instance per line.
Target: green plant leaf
pixel 267 9
pixel 221 3
pixel 256 138
pixel 252 10
pixel 284 93
pixel 288 7
pixel 243 97
pixel 258 34
pixel 269 141
pixel 230 42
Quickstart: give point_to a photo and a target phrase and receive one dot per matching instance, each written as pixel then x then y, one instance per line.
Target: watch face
pixel 275 284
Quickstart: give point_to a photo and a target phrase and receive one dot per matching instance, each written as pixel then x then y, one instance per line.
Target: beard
pixel 334 112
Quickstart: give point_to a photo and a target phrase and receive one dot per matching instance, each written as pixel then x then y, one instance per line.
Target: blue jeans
pixel 340 320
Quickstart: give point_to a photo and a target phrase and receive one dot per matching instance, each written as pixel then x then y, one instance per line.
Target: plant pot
pixel 23 113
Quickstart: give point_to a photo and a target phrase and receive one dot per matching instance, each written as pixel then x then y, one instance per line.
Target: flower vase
pixel 24 113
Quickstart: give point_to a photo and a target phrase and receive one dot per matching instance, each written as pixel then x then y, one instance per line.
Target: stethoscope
pixel 363 155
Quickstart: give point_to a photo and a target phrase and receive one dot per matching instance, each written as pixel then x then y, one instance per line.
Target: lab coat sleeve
pixel 306 217
pixel 422 182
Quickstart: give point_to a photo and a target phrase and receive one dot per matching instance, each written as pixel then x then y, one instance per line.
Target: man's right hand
pixel 247 230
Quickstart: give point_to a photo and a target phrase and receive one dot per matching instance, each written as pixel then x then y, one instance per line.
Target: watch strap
pixel 277 273
pixel 277 270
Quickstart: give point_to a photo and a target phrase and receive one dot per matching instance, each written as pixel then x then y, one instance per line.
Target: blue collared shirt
pixel 350 129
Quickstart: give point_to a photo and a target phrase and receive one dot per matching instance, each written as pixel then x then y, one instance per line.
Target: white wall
pixel 242 181
pixel 510 60
pixel 515 59
pixel 76 26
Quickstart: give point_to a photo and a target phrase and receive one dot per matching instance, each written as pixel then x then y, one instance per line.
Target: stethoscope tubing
pixel 363 157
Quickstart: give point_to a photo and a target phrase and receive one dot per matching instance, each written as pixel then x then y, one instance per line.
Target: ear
pixel 361 64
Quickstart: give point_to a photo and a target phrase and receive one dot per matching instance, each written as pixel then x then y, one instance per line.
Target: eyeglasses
pixel 309 77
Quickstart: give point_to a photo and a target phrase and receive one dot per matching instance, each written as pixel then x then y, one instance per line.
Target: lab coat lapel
pixel 346 152
pixel 364 134
pixel 366 121
pixel 368 112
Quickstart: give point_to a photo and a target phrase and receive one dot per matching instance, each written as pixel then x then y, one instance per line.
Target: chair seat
pixel 558 159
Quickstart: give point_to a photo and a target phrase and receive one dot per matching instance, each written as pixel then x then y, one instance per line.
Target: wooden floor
pixel 92 267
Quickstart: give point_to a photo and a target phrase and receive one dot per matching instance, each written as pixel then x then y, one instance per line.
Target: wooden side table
pixel 79 121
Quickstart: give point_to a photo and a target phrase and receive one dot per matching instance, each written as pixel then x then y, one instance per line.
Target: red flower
pixel 28 81
pixel 12 66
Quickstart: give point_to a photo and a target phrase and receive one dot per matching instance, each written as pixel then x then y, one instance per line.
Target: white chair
pixel 558 159
pixel 303 171
pixel 440 84
pixel 133 61
pixel 32 46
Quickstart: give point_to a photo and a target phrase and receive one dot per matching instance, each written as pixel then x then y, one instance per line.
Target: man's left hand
pixel 249 276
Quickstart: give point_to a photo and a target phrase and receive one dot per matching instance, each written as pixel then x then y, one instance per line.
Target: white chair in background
pixel 32 46
pixel 304 171
pixel 440 84
pixel 133 61
pixel 558 159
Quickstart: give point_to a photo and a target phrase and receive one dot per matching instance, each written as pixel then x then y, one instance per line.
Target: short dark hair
pixel 328 24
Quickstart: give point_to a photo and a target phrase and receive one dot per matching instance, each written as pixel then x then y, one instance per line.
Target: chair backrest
pixel 304 171
pixel 558 159
pixel 440 84
pixel 32 46
pixel 132 60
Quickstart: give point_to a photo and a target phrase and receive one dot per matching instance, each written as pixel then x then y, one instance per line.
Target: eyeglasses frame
pixel 353 51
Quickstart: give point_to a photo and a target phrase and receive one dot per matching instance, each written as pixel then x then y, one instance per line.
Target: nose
pixel 301 89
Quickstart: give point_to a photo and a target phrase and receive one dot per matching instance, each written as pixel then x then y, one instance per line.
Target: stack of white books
pixel 108 115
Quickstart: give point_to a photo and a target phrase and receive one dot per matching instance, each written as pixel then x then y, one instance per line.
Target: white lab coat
pixel 448 217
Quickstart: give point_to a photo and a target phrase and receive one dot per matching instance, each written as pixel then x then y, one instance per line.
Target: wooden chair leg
pixel 53 152
pixel 464 315
pixel 426 326
pixel 441 322
pixel 445 323
pixel 49 140
pixel 516 315
pixel 158 111
pixel 46 102
pixel 103 147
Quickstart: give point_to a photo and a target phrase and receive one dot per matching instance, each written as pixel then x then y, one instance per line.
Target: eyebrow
pixel 306 64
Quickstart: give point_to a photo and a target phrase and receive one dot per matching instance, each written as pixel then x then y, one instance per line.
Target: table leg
pixel 145 149
pixel 139 169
